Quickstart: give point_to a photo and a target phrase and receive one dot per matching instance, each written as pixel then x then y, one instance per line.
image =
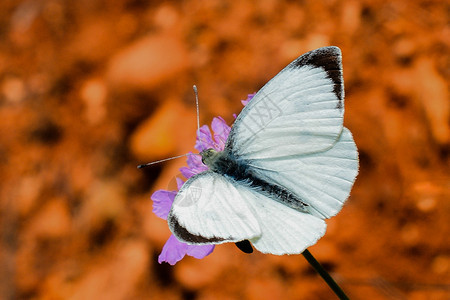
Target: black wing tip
pixel 328 51
pixel 330 59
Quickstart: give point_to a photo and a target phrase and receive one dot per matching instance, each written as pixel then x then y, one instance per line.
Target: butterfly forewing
pixel 209 208
pixel 299 111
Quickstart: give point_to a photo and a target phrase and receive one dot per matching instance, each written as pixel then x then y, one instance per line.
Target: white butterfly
pixel 288 164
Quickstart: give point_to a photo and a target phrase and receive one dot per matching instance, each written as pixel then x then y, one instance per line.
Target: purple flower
pixel 174 250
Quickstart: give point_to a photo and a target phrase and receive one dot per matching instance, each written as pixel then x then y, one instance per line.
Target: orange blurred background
pixel 90 89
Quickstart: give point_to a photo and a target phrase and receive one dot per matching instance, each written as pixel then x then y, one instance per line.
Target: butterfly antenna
pixel 187 154
pixel 196 104
pixel 198 114
pixel 163 160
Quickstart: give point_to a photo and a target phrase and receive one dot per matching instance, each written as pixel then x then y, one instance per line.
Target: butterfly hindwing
pixel 285 230
pixel 322 180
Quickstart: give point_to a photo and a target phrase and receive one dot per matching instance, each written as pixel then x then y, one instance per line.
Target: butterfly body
pixel 239 170
pixel 288 164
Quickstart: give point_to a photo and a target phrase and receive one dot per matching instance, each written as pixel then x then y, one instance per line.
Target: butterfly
pixel 288 164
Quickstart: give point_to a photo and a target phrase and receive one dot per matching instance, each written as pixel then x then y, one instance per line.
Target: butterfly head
pixel 209 156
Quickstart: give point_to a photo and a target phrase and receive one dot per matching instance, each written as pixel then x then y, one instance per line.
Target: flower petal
pixel 173 251
pixel 162 202
pixel 195 166
pixel 249 97
pixel 204 139
pixel 221 132
pixel 195 161
pixel 199 251
pixel 180 182
pixel 187 172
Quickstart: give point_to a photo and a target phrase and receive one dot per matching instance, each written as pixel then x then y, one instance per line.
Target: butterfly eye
pixel 206 155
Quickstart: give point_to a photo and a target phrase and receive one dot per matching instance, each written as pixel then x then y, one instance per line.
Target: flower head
pixel 174 250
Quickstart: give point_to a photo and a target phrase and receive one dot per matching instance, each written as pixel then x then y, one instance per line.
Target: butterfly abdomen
pixel 238 169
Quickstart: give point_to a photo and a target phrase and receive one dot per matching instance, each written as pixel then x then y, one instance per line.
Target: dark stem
pixel 324 274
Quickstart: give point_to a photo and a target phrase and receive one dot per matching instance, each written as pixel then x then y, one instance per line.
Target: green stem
pixel 324 274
